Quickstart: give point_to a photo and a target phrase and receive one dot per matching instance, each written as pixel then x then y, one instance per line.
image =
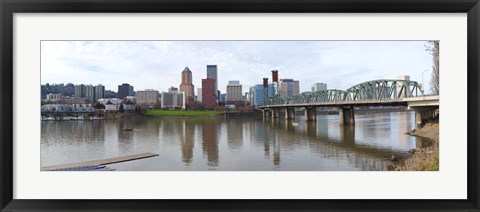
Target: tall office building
pixel 234 91
pixel 260 93
pixel 125 90
pixel 80 91
pixel 319 87
pixel 147 97
pixel 288 87
pixel 212 73
pixel 187 87
pixel 99 92
pixel 209 96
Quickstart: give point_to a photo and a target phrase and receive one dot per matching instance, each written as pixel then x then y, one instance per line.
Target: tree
pixel 120 109
pixel 433 48
pixel 99 105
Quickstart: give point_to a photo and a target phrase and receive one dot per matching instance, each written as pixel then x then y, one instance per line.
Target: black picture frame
pixel 9 7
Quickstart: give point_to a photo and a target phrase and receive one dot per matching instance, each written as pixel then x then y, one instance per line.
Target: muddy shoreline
pixel 420 159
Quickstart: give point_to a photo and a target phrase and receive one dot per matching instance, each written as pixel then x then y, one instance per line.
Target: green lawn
pixel 181 113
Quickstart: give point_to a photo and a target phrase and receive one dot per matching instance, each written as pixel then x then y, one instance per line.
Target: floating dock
pixel 100 162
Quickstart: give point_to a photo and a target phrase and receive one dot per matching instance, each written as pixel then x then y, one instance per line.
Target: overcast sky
pixel 158 64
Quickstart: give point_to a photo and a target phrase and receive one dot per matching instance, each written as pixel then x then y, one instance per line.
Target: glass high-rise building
pixel 212 72
pixel 125 90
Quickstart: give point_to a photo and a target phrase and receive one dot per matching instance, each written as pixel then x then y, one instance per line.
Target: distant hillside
pixel 67 90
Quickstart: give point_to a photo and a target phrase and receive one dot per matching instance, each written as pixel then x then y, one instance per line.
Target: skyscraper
pixel 125 90
pixel 288 87
pixel 187 87
pixel 209 97
pixel 213 74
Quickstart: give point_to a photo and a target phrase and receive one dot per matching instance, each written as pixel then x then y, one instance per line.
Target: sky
pixel 158 64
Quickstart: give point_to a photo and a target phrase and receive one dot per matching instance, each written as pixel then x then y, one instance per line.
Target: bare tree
pixel 434 49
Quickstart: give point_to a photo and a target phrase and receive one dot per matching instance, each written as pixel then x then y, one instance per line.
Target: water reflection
pixel 238 143
pixel 210 142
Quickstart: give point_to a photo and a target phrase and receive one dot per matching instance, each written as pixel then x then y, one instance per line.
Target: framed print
pixel 257 106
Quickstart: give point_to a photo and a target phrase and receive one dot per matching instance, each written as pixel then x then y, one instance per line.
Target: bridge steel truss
pixel 377 90
pixel 385 89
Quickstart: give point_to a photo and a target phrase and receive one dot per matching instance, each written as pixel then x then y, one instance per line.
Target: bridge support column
pixel 275 112
pixel 423 114
pixel 347 115
pixel 289 113
pixel 310 114
pixel 266 113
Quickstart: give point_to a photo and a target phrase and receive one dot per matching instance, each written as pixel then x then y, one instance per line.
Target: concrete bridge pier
pixel 423 114
pixel 310 114
pixel 347 115
pixel 275 112
pixel 290 113
pixel 266 113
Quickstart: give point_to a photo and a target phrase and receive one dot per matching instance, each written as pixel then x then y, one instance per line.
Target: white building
pixel 319 87
pixel 199 95
pixel 234 91
pixel 54 97
pixel 173 100
pixel 148 97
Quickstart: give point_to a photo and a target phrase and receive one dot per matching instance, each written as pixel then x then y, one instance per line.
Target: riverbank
pixel 422 158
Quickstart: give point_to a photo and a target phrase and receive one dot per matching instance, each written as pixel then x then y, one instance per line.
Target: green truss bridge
pixel 384 92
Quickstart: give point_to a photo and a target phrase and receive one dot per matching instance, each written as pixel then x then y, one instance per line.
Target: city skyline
pixel 158 64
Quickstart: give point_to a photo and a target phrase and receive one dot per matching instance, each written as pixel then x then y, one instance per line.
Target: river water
pixel 249 143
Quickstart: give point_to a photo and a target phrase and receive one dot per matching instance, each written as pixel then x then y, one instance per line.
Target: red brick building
pixel 209 97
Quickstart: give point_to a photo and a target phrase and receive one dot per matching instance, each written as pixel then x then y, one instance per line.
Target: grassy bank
pixel 182 113
pixel 421 159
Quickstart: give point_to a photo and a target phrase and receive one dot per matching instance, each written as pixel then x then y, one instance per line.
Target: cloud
pixel 158 64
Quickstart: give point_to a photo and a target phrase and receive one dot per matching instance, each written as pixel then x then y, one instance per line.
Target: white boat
pixel 294 124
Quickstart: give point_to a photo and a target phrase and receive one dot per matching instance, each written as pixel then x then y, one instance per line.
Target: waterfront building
pixel 212 72
pixel 99 92
pixel 209 96
pixel 147 97
pixel 54 97
pixel 173 100
pixel 125 90
pixel 199 95
pixel 234 91
pixel 260 93
pixel 319 87
pixel 113 105
pixel 288 87
pixel 187 87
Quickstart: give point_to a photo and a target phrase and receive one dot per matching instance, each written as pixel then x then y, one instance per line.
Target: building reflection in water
pixel 210 141
pixel 235 133
pixel 187 141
